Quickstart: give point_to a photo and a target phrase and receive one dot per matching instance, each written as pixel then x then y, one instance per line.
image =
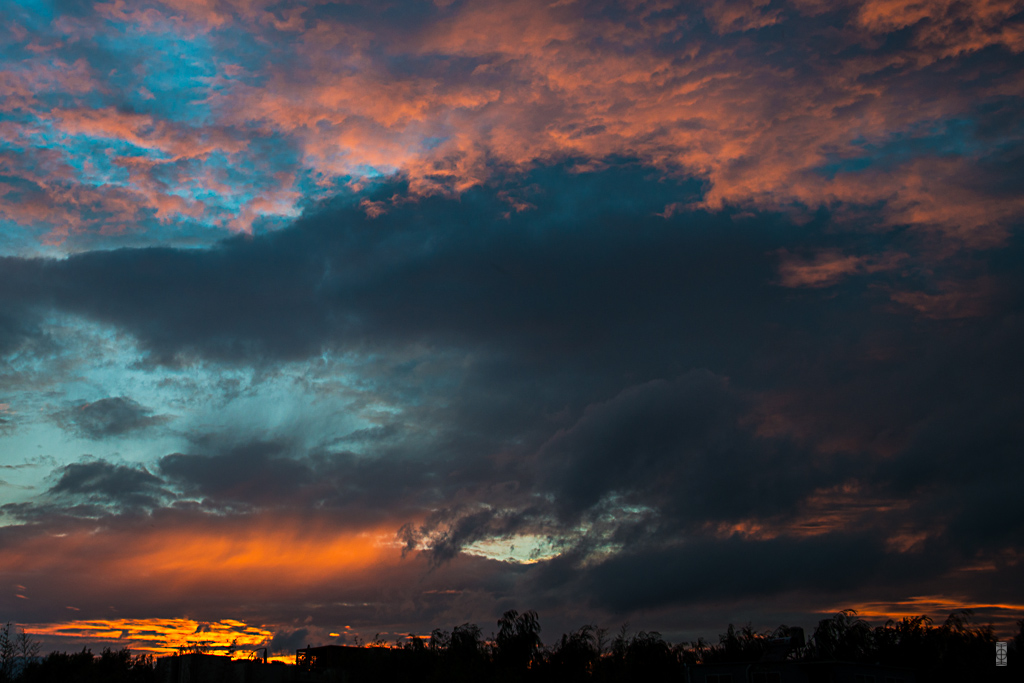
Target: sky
pixel 326 322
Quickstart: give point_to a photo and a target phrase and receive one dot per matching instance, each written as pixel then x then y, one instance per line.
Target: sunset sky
pixel 326 319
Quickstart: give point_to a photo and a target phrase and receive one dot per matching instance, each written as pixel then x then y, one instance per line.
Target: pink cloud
pixel 828 267
pixel 947 27
pixel 551 81
pixel 953 300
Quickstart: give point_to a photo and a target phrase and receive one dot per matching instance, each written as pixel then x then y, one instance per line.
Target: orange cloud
pixel 728 16
pixel 843 508
pixel 261 554
pixel 146 131
pixel 954 300
pixel 829 267
pixel 203 568
pixel 946 26
pixel 263 570
pixel 158 636
pixel 1002 615
pixel 825 269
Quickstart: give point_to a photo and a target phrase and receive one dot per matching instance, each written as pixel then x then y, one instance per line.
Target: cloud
pixel 743 570
pixel 795 105
pixel 108 417
pixel 829 267
pixel 256 473
pixel 106 482
pixel 953 300
pixel 254 476
pixel 640 391
pixel 673 460
pixel 179 561
pixel 286 642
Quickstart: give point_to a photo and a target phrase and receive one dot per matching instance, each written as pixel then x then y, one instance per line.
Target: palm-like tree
pixel 844 637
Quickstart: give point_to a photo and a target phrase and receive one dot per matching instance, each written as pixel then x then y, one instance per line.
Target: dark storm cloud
pixel 697 392
pixel 16 326
pixel 108 417
pixel 963 468
pixel 736 569
pixel 421 271
pixel 106 482
pixel 681 446
pixel 590 276
pixel 258 475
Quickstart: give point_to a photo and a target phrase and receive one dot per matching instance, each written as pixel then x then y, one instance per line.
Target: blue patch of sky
pixel 954 137
pixel 94 160
pixel 309 403
pixel 161 72
pixel 32 14
pixel 373 172
pixel 19 240
pixel 77 148
pixel 253 53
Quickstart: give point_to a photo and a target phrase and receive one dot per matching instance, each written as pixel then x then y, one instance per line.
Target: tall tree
pixel 518 640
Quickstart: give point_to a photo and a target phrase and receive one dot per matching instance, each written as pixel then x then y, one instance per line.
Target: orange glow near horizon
pixel 161 637
pixel 938 607
pixel 284 554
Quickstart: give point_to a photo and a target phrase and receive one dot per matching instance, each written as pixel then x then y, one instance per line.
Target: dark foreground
pixel 843 648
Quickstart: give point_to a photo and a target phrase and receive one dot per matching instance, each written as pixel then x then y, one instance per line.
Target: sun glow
pixel 289 553
pixel 160 636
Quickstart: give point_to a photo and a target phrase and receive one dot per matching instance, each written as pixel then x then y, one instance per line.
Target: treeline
pixel 20 663
pixel 954 650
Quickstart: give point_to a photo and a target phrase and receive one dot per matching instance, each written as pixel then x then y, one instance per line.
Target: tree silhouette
pixel 575 655
pixel 517 643
pixel 17 650
pixel 844 637
pixel 25 648
pixel 6 653
pixel 462 659
pixel 111 666
pixel 465 642
pixel 903 642
pixel 957 650
pixel 439 640
pixel 1015 651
